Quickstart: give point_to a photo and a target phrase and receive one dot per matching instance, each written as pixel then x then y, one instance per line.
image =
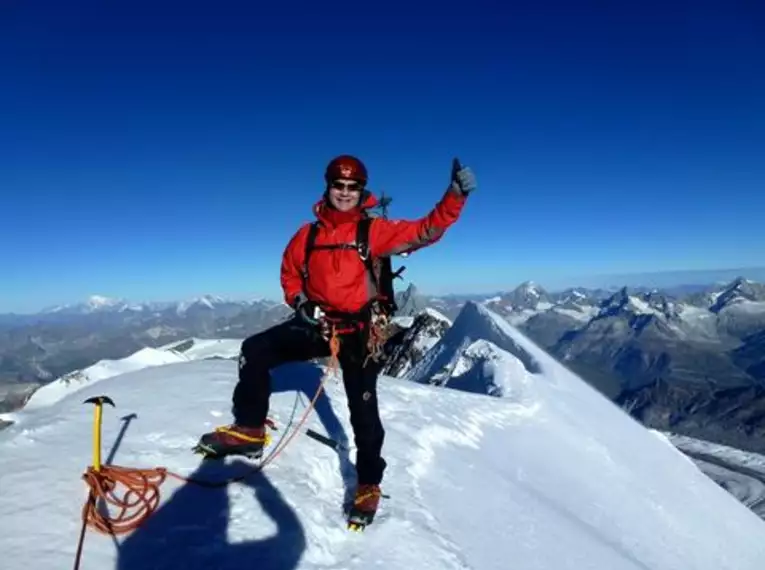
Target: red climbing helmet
pixel 346 166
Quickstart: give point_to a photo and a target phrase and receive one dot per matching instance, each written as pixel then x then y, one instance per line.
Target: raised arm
pixel 389 237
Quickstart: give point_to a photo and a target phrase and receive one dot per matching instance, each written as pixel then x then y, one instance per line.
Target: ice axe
pixel 99 402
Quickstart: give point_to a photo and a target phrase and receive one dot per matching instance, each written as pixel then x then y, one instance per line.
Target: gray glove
pixel 307 310
pixel 463 179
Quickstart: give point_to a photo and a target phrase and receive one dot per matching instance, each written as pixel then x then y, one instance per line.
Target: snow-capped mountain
pixel 554 465
pixel 526 299
pixel 94 304
pixel 476 354
pixel 417 336
pixel 633 337
pixel 102 304
pixel 740 299
pixel 740 291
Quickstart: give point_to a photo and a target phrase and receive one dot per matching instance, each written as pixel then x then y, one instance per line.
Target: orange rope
pixel 142 496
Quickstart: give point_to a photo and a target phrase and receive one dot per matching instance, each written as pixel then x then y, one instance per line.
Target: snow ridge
pixel 475 355
pixel 173 353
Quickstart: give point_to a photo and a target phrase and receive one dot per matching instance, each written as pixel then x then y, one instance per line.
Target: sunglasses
pixel 350 186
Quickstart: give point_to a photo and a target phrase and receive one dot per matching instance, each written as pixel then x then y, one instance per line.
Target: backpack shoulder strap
pixel 380 269
pixel 362 240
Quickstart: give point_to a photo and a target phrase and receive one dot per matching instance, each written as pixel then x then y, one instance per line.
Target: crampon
pixel 361 513
pixel 234 440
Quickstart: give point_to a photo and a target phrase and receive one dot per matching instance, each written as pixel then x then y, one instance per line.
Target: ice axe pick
pixel 98 402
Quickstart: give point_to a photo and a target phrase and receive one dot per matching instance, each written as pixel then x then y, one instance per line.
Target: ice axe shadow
pixel 112 452
pixel 115 446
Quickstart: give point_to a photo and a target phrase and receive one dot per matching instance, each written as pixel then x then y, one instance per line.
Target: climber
pixel 338 289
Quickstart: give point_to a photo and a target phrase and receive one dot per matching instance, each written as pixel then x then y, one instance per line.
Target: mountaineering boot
pixel 364 507
pixel 233 440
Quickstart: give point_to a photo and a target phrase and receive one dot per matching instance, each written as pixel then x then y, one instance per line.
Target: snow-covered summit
pixel 474 353
pixel 651 304
pixel 740 294
pixel 525 299
pixel 554 477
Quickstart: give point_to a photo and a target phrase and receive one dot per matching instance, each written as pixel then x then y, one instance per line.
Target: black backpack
pixel 381 268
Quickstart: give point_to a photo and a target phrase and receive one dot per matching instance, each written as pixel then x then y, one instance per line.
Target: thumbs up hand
pixel 463 179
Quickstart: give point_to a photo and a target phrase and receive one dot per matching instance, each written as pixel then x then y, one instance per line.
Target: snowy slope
pixel 201 348
pixel 182 351
pixel 78 379
pixel 553 478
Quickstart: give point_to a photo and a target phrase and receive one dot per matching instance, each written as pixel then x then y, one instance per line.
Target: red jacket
pixel 337 278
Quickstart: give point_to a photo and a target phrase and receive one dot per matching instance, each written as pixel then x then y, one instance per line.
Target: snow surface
pixel 584 313
pixel 698 323
pixel 144 358
pixel 745 306
pixel 437 315
pixel 553 478
pixel 107 368
pixel 640 307
pixel 207 348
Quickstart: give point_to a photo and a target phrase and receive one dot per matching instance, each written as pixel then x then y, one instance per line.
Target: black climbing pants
pixel 293 341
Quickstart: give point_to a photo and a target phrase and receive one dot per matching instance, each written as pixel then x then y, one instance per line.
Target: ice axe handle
pixel 98 402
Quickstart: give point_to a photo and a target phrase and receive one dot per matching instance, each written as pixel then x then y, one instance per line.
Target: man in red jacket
pixel 334 287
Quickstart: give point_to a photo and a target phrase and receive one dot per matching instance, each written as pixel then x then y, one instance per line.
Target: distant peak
pixel 740 282
pixel 530 286
pixel 102 301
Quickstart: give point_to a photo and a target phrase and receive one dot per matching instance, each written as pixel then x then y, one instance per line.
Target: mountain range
pixel 689 359
pixel 38 348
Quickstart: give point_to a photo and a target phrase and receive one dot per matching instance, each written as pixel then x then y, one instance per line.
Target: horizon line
pixel 739 272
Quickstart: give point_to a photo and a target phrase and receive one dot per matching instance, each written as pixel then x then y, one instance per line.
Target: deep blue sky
pixel 161 152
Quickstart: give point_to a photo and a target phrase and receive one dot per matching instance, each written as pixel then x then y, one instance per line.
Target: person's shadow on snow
pixel 306 377
pixel 190 529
